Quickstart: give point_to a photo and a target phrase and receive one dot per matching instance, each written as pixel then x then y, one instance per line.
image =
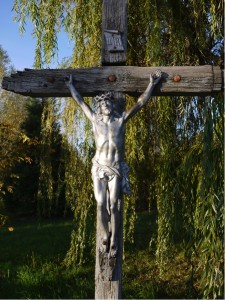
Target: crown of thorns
pixel 103 97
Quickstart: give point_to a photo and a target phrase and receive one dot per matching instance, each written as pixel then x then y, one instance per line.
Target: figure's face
pixel 106 107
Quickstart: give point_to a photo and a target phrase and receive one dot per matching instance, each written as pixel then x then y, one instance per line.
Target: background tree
pixel 12 113
pixel 19 134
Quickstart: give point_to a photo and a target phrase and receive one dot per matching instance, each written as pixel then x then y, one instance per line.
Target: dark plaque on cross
pixel 108 85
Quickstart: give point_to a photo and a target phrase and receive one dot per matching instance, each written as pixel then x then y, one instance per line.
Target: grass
pixel 31 265
pixel 141 277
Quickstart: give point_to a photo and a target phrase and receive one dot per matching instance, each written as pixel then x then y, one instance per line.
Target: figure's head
pixel 104 104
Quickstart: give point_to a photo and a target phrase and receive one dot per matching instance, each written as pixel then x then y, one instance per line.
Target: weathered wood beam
pixel 181 80
pixel 108 270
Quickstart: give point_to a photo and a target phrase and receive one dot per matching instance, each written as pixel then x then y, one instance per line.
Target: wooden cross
pixel 114 76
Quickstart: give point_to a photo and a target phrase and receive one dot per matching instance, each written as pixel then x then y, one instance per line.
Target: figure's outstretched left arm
pixel 78 98
pixel 144 98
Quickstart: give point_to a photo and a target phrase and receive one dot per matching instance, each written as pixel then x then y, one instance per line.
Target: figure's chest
pixel 110 130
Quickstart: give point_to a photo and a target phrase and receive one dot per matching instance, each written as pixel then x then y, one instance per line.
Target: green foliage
pixel 174 32
pixel 23 200
pixel 16 145
pixel 51 166
pixel 203 207
pixel 77 146
pixel 3 219
pixel 166 179
pixel 4 62
pixel 81 20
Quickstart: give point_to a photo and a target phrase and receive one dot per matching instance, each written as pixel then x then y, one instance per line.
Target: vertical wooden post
pixel 114 19
pixel 108 278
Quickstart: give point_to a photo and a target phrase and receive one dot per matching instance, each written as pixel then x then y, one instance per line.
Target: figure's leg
pixel 100 192
pixel 115 194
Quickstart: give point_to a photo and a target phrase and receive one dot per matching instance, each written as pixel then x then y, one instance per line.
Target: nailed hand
pixel 155 77
pixel 68 80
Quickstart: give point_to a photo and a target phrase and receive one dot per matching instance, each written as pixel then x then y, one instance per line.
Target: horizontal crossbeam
pixel 182 80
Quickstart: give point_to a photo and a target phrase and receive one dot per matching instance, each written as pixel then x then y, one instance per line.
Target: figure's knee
pixel 113 207
pixel 100 204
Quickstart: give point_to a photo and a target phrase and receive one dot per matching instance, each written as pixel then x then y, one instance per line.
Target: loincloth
pixel 107 173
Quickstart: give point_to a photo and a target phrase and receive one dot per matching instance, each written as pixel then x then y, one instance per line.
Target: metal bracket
pixel 113 41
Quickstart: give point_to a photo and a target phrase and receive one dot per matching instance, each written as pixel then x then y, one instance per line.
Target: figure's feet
pixel 104 245
pixel 113 250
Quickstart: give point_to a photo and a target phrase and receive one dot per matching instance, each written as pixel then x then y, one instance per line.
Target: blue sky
pixel 21 48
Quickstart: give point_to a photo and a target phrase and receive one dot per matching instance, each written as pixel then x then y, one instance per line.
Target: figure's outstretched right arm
pixel 144 98
pixel 79 99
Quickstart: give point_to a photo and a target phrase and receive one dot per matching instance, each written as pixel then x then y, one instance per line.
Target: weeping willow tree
pixel 174 144
pixel 50 192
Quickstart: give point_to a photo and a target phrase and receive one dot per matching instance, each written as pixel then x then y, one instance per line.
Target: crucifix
pixel 108 84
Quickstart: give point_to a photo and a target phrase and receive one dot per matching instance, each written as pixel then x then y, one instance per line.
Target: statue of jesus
pixel 109 170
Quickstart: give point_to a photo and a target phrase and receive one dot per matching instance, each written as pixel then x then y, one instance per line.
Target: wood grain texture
pixel 114 17
pixel 194 80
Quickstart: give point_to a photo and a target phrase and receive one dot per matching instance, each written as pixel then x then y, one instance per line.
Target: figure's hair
pixel 103 97
pixel 99 98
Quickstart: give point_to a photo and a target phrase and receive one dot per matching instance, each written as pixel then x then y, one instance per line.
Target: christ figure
pixel 109 170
